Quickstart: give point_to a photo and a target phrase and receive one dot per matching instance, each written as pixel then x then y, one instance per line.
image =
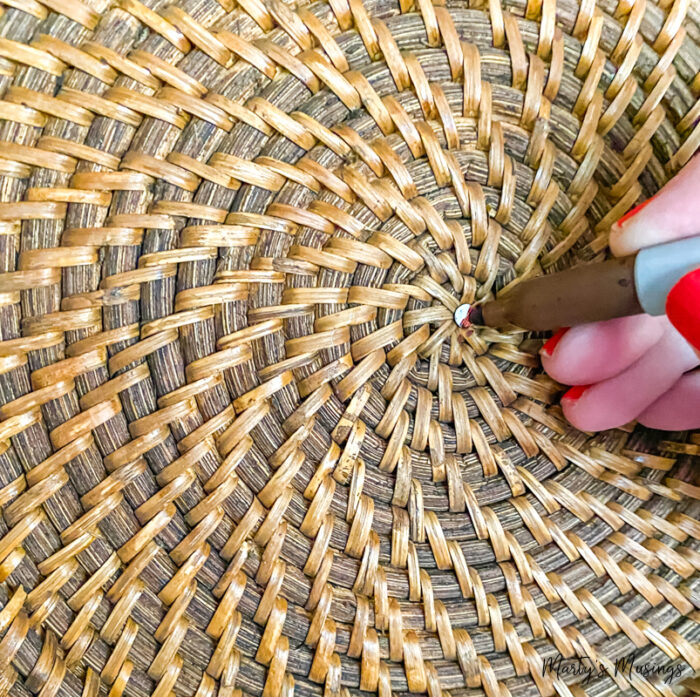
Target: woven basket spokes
pixel 245 449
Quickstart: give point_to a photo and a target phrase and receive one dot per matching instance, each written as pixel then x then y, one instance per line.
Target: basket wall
pixel 245 449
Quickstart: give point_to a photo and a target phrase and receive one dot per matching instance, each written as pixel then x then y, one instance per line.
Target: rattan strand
pixel 245 450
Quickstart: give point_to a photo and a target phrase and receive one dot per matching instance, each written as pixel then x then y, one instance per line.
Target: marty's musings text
pixel 627 666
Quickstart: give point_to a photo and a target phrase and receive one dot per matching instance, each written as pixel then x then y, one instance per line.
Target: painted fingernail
pixel 683 307
pixel 575 392
pixel 551 343
pixel 633 212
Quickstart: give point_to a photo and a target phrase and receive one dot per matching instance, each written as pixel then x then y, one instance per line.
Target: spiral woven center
pixel 245 449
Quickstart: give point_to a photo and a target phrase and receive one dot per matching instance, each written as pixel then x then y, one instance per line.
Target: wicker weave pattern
pixel 245 450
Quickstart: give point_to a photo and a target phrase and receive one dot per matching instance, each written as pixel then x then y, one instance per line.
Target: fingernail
pixel 551 343
pixel 575 392
pixel 683 307
pixel 633 212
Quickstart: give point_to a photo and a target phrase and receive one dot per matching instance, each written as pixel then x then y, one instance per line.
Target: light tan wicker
pixel 245 450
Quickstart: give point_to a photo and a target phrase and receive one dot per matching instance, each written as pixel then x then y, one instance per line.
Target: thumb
pixel 683 307
pixel 673 213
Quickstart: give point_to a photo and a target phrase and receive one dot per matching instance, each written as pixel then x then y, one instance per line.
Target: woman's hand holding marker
pixel 639 368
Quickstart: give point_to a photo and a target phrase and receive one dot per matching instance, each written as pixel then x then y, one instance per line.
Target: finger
pixel 623 398
pixel 674 212
pixel 678 409
pixel 593 352
pixel 683 307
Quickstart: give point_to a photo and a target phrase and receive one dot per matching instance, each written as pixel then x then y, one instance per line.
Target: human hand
pixel 639 368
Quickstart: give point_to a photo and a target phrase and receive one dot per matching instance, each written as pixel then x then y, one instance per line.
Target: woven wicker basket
pixel 244 447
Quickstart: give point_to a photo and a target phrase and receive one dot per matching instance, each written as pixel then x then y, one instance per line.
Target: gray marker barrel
pixel 657 269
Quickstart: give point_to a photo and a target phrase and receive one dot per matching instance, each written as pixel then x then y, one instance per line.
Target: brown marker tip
pixel 476 315
pixel 466 315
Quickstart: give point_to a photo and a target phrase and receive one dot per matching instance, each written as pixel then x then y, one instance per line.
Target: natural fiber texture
pixel 245 449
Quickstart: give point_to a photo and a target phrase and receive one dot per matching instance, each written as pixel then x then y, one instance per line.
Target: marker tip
pixel 466 315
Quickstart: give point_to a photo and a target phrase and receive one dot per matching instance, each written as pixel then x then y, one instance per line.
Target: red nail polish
pixel 633 212
pixel 683 307
pixel 575 392
pixel 551 343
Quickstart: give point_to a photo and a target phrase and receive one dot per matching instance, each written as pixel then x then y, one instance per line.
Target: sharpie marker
pixel 615 288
